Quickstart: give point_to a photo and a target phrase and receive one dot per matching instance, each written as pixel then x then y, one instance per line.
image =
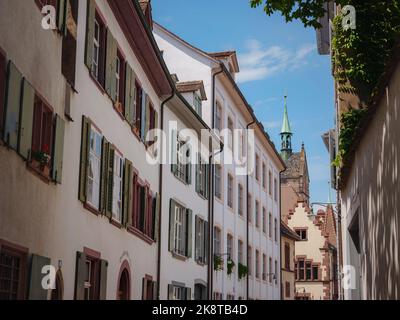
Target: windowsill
pixel 119 112
pixel 116 223
pixel 179 256
pixel 40 174
pixel 201 264
pixel 180 179
pixel 97 83
pixel 220 200
pixel 140 235
pixel 201 196
pixel 92 209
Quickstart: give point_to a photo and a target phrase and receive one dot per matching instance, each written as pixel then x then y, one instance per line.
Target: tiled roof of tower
pixel 295 165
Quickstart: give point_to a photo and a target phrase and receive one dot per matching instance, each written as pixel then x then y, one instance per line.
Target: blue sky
pixel 274 58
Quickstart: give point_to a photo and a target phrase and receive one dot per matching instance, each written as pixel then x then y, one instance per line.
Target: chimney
pixel 146 9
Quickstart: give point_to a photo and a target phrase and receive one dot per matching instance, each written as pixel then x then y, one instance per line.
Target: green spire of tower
pixel 286 134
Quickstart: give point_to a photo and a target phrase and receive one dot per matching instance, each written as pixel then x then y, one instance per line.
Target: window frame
pixel 95 130
pixel 100 44
pixel 230 197
pixel 117 216
pixel 218 181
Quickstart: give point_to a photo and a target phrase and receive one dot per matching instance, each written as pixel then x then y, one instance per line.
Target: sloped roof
pixel 289 233
pixel 296 165
pixel 191 86
pixel 225 55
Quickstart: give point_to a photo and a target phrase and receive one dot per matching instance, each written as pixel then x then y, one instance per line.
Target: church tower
pixel 286 135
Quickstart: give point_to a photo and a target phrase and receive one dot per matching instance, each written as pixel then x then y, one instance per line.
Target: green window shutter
pixel 80 276
pixel 84 158
pixel 111 61
pixel 62 16
pixel 189 166
pixel 207 173
pixel 90 23
pixel 198 173
pixel 157 213
pixel 174 155
pixel 35 290
pixel 188 293
pixel 104 175
pixel 189 242
pixel 128 93
pixel 144 116
pixel 103 280
pixel 206 241
pixel 26 120
pixel 170 292
pixel 172 207
pixel 133 93
pixel 147 118
pixel 155 290
pixel 58 153
pixel 13 99
pixel 197 238
pixel 127 194
pixel 110 180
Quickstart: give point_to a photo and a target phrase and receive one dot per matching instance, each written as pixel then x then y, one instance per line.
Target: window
pixel 92 279
pixel 287 289
pixel 249 208
pixel 264 270
pixel 42 136
pixel 276 229
pixel 230 133
pixel 202 171
pixel 308 270
pixel 275 190
pixel 270 225
pixel 264 221
pixel 182 168
pixel 257 264
pixel 257 214
pixel 302 233
pixel 152 123
pixel 287 256
pixel 257 167
pixel 138 109
pixel 229 246
pixel 149 288
pixel 264 176
pixel 201 231
pixel 94 169
pixel 240 252
pixel 181 226
pixel 230 297
pixel 230 191
pixel 217 241
pixel 315 272
pixel 178 293
pixel 240 199
pixel 217 296
pixel 276 272
pixel 301 269
pixel 270 270
pixel 120 82
pixel 218 117
pixel 117 188
pixel 197 103
pixel 218 181
pixel 270 183
pixel 12 273
pixel 99 50
pixel 250 261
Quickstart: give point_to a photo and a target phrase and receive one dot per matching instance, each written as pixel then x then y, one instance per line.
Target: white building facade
pixel 237 246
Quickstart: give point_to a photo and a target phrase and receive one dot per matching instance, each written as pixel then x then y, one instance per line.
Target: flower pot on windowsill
pixel 118 107
pixel 41 168
pixel 40 161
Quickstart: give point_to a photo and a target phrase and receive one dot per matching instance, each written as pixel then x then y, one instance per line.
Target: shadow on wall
pixel 377 166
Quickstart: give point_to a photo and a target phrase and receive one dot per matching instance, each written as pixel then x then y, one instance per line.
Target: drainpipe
pixel 247 209
pixel 280 238
pixel 160 182
pixel 211 194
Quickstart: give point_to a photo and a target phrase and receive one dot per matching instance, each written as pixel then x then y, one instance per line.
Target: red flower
pixel 46 148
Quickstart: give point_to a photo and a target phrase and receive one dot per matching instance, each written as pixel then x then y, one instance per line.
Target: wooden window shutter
pixel 188 292
pixel 80 276
pixel 127 194
pixel 174 150
pixel 90 26
pixel 62 16
pixel 26 120
pixel 111 61
pixel 189 242
pixel 189 165
pixel 13 99
pixel 84 158
pixel 156 219
pixel 172 208
pixel 207 242
pixel 104 175
pixel 144 289
pixel 3 76
pixel 110 180
pixel 103 280
pixel 128 94
pixel 155 290
pixel 170 292
pixel 147 118
pixel 35 289
pixel 198 164
pixel 58 150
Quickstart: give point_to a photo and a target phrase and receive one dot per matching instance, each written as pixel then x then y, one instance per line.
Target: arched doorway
pixel 124 282
pixel 58 292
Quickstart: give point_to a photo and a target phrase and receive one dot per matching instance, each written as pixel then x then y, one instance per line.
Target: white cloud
pixel 259 63
pixel 271 124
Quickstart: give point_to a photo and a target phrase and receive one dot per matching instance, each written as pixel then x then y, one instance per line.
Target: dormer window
pixel 197 103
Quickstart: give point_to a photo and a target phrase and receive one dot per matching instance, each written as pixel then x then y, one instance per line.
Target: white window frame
pixel 117 78
pixel 96 178
pixel 117 187
pixel 179 230
pixel 230 191
pixel 96 49
pixel 218 181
